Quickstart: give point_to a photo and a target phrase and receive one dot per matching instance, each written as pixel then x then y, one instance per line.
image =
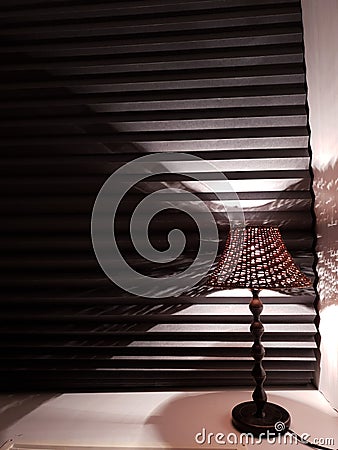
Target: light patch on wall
pixel 320 35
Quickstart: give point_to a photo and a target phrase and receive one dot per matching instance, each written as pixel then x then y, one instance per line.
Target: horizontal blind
pixel 86 88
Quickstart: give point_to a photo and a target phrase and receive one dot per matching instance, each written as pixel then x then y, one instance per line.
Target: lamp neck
pixel 255 292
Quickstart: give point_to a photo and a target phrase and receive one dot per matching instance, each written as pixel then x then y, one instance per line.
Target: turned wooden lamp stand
pixel 256 258
pixel 259 416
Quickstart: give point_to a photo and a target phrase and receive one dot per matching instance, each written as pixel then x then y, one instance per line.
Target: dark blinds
pixel 85 88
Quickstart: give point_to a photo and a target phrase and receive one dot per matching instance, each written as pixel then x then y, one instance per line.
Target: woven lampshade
pixel 256 258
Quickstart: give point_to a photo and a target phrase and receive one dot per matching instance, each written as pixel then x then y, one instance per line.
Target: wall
pixel 320 21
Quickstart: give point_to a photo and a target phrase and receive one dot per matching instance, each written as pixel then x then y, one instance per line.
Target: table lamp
pixel 255 257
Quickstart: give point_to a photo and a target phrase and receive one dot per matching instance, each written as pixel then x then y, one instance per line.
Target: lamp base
pixel 276 420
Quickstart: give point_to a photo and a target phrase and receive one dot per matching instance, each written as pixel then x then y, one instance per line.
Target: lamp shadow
pixel 180 421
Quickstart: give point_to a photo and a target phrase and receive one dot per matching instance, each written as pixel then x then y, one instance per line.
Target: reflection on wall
pixel 320 38
pixel 325 188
